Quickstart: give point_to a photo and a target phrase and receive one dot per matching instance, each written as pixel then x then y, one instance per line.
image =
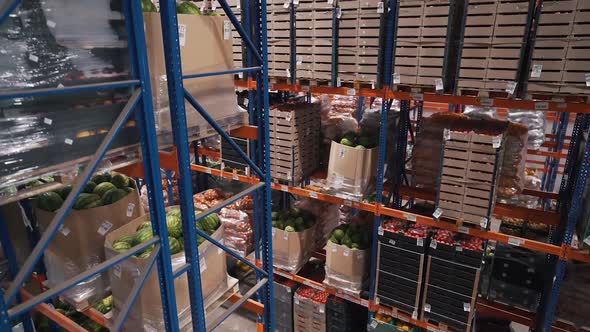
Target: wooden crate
pixel 507 42
pixel 432 41
pixel 554 30
pixel 481 18
pixel 467 178
pixel 577 59
pixel 408 40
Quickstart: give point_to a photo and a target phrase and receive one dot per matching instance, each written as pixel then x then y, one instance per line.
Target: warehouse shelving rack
pixel 254 34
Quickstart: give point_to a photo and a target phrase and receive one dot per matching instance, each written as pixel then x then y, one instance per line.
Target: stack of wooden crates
pixel 294 140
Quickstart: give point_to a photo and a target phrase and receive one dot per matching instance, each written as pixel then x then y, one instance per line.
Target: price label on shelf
pixel 347 202
pixel 47 121
pixel 536 71
pixel 417 96
pixel 380 8
pixel 427 307
pixel 338 12
pixel 226 29
pixel 496 141
pixel 410 217
pixel 541 106
pixel 284 188
pixel 437 213
pixel 433 244
pixel 299 59
pixel 117 270
pixel 587 77
pixel 313 194
pixel 288 72
pixel 380 230
pixel 235 177
pixel 463 229
pixel 33 58
pixel 466 307
pixel 351 92
pixel 483 222
pixel 51 24
pixel 510 87
pixel 374 324
pixel 420 242
pixel 414 314
pixel 396 79
pixel 208 170
pixel 438 83
pixel 486 101
pixel 515 241
pixel 287 4
pixel 459 248
pixel 68 141
pixel 346 252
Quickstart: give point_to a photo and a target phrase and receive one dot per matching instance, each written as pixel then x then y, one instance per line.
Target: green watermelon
pixel 210 224
pixel 145 224
pixel 173 212
pixel 100 178
pixel 94 204
pixel 132 183
pixel 102 188
pixel 175 246
pixel 129 190
pixel 121 246
pixel 148 7
pixel 89 187
pixel 174 225
pixel 64 191
pixel 129 239
pixel 144 234
pixel 120 181
pixel 146 253
pixel 113 196
pixel 187 7
pixel 50 201
pixel 84 200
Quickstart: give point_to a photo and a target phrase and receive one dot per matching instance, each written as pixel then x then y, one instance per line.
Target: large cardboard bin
pixel 205 46
pixel 351 170
pixel 291 250
pixel 78 246
pixel 346 268
pixel 146 314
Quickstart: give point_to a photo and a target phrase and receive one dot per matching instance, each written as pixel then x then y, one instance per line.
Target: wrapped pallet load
pixel 146 314
pixel 108 202
pixel 427 151
pixel 205 46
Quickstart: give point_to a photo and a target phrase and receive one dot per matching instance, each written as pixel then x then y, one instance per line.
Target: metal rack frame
pixel 151 172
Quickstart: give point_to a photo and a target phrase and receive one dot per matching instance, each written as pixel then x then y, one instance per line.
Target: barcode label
pixel 439 84
pixel 420 242
pixel 463 229
pixel 486 101
pixel 33 58
pixel 410 217
pixel 515 241
pixel 510 87
pixel 182 34
pixel 313 194
pixel 226 30
pixel 437 213
pixel 466 307
pixel 433 244
pixel 47 121
pixel 130 209
pixel 396 78
pixel 208 170
pixel 68 141
pixel 51 24
pixel 541 106
pixel 536 71
pixel 235 177
pixel 104 227
pixel 380 230
pixel 284 188
pixel 380 9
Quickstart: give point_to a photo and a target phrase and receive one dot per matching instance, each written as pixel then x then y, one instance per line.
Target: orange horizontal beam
pixel 250 305
pixel 582 256
pixel 57 317
pixel 245 132
pixel 96 316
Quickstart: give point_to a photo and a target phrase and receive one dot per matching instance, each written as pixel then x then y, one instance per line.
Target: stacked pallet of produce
pixel 309 309
pixel 283 292
pixel 294 237
pixel 345 316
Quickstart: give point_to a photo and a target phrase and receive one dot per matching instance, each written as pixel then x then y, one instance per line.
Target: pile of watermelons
pixel 102 189
pixel 293 220
pixel 354 236
pixel 144 232
pixel 365 140
pixel 183 7
pixel 43 324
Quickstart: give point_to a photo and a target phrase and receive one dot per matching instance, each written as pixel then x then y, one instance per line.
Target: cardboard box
pixel 291 250
pixel 346 268
pixel 78 246
pixel 146 314
pixel 205 46
pixel 351 170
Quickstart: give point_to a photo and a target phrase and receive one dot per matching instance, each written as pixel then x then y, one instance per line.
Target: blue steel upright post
pixel 388 65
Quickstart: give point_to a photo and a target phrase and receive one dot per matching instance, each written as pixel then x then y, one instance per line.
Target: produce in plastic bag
pixel 534 121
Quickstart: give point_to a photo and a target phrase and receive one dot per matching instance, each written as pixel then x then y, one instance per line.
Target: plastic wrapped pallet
pixel 212 52
pixel 346 268
pixel 426 153
pixel 146 314
pixel 79 246
pixel 239 233
pixel 39 132
pixel 283 293
pixel 534 121
pixel 309 309
pixel 291 250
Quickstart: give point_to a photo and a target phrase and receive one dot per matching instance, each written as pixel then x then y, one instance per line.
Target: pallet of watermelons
pixel 109 201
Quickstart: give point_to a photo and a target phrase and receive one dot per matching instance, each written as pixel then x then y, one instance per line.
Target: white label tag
pixel 338 82
pixel 414 314
pixel 446 134
pixel 463 229
pixel 51 24
pixel 226 30
pixel 510 87
pixel 486 101
pixel 286 4
pixel 541 106
pixel 396 78
pixel 274 232
pixel 515 241
pixel 536 71
pixel 342 153
pixel 346 252
pixel 285 235
pixel 284 188
pixel 182 34
pixel 380 230
pixel 338 12
pixel 374 324
pixel 60 85
pixel 410 217
pixel 466 307
pixel 238 5
pixel 64 231
pixel 496 141
pixel 420 242
pixel 208 170
pixel 427 307
pixel 235 177
pixel 483 222
pixel 241 75
pixel 288 72
pixel 47 121
pixel 313 194
pixel 68 141
pixel 334 248
pixel 117 271
pixel 33 58
pixel 433 244
pixel 351 92
pixel 439 84
pixel 322 309
pixel 392 242
pixel 296 300
pixel 130 209
pixel 459 248
pixel 202 264
pixel 347 202
pixel 299 59
pixel 587 240
pixel 330 2
pixel 417 96
pixel 437 213
pixel 104 227
pixel 380 7
pixel 587 76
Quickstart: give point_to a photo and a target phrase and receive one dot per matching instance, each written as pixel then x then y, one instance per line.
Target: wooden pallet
pixel 577 60
pixel 467 177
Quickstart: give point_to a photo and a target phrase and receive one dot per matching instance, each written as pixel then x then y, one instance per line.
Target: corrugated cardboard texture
pixel 292 249
pixel 351 169
pixel 78 246
pixel 147 311
pixel 345 267
pixel 203 49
